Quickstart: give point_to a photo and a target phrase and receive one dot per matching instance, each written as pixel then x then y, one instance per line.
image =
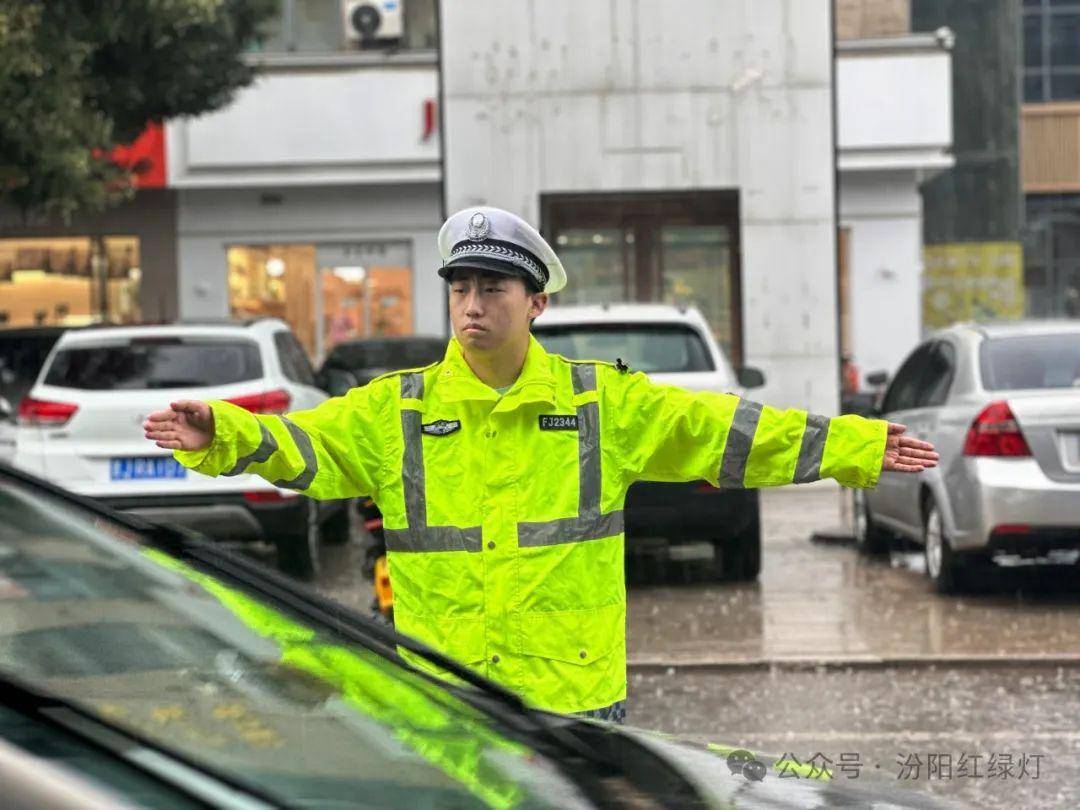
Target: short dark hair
pixel 530 285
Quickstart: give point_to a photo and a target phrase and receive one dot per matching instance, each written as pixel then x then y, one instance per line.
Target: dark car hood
pixel 710 772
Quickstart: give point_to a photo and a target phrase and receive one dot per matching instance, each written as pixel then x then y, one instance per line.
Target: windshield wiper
pixel 118 742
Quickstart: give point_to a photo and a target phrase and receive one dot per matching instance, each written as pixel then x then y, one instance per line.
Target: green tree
pixel 78 77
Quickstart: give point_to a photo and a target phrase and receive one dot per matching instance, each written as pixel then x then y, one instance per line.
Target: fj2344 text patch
pixel 558 422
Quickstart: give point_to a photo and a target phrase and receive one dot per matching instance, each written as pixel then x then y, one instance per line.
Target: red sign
pixel 145 157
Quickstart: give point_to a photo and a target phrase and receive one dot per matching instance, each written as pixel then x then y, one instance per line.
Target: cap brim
pixel 480 263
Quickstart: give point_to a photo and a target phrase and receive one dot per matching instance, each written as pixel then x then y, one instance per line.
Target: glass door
pixel 365 291
pixel 674 248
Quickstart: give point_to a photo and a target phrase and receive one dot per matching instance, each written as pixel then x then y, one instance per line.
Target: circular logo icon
pixel 742 761
pixel 479 227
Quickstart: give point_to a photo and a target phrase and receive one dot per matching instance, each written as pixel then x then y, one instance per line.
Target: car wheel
pixel 298 552
pixel 337 529
pixel 870 539
pixel 943 565
pixel 738 559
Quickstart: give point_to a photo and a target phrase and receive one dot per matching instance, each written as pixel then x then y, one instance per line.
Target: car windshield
pixel 387 354
pixel 1031 361
pixel 90 614
pixel 155 363
pixel 644 347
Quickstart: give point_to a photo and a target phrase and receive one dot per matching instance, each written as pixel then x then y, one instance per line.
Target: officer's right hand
pixel 187 425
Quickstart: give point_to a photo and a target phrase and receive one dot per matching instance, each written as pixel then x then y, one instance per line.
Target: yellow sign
pixel 972 281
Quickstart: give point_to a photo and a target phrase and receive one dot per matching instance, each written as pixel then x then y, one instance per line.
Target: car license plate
pixel 139 469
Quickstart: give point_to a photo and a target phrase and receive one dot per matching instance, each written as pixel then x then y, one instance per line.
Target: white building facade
pixel 670 154
pixel 894 109
pixel 686 157
pixel 315 196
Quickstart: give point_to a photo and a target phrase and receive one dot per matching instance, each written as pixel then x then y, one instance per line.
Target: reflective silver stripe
pixel 570 530
pixel 588 524
pixel 588 418
pixel 412 386
pixel 584 377
pixel 419 537
pixel 412 469
pixel 307 453
pixel 267 447
pixel 433 538
pixel 808 468
pixel 739 441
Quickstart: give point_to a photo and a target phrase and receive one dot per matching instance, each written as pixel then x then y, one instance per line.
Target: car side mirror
pixel 7 413
pixel 750 377
pixel 335 381
pixel 877 378
pixel 863 404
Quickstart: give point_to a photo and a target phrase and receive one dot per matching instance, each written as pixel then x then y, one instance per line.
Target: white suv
pixel 80 427
pixel 673 345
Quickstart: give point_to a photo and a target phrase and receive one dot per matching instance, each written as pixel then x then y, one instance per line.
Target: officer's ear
pixel 537 305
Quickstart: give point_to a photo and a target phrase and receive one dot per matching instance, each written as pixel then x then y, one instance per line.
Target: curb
pixel 815 663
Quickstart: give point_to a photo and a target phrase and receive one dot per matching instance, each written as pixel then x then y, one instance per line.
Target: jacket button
pixel 491 544
pixel 494 659
pixel 583 654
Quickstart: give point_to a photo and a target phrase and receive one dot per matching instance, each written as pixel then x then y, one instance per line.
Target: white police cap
pixel 492 239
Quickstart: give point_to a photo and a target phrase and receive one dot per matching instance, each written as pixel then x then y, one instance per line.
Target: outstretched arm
pixel 331 451
pixel 670 434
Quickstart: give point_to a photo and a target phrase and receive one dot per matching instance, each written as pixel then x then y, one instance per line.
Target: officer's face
pixel 490 311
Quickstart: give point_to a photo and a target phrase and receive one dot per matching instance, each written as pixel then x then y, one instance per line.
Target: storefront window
pixel 69 281
pixel 326 293
pixel 275 281
pixel 674 248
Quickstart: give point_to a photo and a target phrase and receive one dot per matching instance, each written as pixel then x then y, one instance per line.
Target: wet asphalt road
pixel 832 654
pixel 886 718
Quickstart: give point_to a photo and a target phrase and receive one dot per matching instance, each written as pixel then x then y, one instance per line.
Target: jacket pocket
pixel 578 637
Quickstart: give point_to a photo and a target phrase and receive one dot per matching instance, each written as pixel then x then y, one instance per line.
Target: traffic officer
pixel 501 471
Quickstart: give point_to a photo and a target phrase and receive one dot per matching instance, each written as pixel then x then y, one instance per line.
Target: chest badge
pixel 558 422
pixel 443 427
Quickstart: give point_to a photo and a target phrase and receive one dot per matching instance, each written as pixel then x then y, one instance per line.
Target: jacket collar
pixel 456 381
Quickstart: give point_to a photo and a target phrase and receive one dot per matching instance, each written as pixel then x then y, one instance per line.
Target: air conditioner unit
pixel 373 20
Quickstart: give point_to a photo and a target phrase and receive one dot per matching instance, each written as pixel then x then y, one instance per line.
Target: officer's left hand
pixel 905 454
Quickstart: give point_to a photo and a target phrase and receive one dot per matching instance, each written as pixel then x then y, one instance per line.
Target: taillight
pixel 276 401
pixel 268 496
pixel 1011 528
pixel 43 413
pixel 995 432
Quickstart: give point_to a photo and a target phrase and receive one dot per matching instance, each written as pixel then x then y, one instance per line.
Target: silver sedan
pixel 1001 404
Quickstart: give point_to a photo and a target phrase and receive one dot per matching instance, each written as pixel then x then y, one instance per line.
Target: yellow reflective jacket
pixel 504 515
